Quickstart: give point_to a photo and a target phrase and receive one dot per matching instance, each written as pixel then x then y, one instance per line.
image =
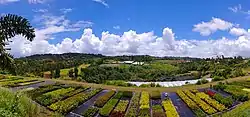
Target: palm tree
pixel 10 26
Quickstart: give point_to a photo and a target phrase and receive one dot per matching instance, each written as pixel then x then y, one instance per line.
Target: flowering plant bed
pixel 169 108
pixel 120 109
pixel 144 105
pixel 134 106
pixel 157 111
pixel 70 103
pixel 91 112
pixel 211 101
pixel 203 105
pixel 102 100
pixel 109 106
pixel 191 104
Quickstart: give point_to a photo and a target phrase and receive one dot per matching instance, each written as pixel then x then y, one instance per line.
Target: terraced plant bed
pixel 53 96
pixel 170 110
pixel 90 112
pixel 109 106
pixel 120 109
pixel 102 100
pixel 144 105
pixel 65 106
pixel 191 104
pixel 157 111
pixel 134 106
pixel 210 101
pixel 15 83
pixel 43 89
pixel 203 105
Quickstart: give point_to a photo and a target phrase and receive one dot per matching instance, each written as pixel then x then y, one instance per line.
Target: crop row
pixel 70 103
pixel 227 101
pixel 109 106
pixel 15 82
pixel 91 112
pixel 102 100
pixel 203 105
pixel 10 79
pixel 237 92
pixel 191 104
pixel 211 101
pixel 43 89
pixel 144 105
pixel 158 111
pixel 134 106
pixel 28 83
pixel 169 108
pixel 120 109
pixel 53 96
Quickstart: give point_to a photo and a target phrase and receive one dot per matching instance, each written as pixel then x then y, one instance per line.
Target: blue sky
pixel 58 21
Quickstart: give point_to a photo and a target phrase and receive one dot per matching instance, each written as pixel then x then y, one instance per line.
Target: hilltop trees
pixel 10 26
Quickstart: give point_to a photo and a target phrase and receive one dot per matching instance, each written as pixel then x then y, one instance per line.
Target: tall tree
pixel 10 26
pixel 76 72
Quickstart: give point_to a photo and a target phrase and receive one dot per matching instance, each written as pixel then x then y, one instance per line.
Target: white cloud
pixel 66 10
pixel 36 1
pixel 134 44
pixel 235 9
pixel 117 27
pixel 207 28
pixel 40 10
pixel 238 31
pixel 7 1
pixel 101 2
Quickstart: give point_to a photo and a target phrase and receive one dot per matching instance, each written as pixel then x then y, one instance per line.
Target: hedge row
pixel 70 103
pixel 102 100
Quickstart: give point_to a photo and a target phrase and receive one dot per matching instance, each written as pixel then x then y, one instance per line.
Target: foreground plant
pixel 16 105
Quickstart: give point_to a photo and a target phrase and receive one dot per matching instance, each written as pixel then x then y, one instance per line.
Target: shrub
pixel 43 89
pixel 102 100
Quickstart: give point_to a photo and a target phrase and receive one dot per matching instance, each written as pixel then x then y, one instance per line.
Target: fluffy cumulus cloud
pixel 207 28
pixel 133 43
pixel 238 31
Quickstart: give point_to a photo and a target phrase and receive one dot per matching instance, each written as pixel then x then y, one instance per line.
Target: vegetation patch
pixel 70 103
pixel 120 109
pixel 169 108
pixel 144 105
pixel 102 100
pixel 191 104
pixel 109 106
pixel 91 112
pixel 157 111
pixel 134 106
